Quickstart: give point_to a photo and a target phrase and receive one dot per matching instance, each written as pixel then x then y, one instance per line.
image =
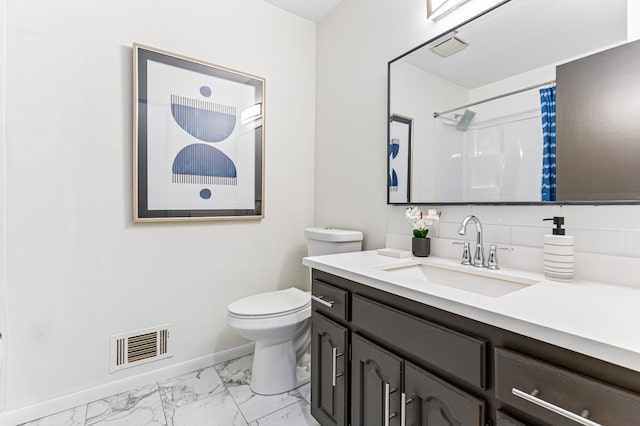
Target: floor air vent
pixel 139 347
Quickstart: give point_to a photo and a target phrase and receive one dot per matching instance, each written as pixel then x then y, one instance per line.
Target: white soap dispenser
pixel 558 252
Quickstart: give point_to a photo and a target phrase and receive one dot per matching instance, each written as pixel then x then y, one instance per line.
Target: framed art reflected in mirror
pixel 399 159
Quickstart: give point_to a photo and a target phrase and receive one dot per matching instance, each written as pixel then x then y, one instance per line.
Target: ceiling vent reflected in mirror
pixel 450 46
pixel 436 9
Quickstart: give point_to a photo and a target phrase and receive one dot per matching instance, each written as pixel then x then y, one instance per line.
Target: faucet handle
pixel 466 252
pixel 492 262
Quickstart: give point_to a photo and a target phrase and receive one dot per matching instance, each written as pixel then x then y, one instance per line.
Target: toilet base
pixel 274 368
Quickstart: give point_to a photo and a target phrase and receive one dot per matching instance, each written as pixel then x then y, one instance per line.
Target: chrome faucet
pixel 478 257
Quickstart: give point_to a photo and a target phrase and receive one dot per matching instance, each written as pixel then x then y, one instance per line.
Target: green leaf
pixel 420 233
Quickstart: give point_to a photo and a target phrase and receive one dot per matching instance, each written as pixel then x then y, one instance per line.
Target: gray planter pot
pixel 421 247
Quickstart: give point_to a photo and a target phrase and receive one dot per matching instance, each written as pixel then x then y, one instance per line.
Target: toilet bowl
pixel 279 322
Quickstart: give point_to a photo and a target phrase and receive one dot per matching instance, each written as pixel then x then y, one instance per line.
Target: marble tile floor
pixel 214 396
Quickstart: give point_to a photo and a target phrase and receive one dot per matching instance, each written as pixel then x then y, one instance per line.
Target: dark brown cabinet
pixel 377 397
pixel 435 402
pixel 559 396
pixel 328 374
pixel 376 376
pixel 437 347
pixel 383 360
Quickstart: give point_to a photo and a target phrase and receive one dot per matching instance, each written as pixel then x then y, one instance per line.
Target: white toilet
pixel 279 321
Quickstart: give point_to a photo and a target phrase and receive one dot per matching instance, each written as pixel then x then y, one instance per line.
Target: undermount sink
pixel 465 278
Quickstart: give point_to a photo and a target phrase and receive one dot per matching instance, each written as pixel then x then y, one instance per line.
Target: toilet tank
pixel 322 241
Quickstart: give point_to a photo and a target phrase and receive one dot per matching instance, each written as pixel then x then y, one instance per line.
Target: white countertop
pixel 596 319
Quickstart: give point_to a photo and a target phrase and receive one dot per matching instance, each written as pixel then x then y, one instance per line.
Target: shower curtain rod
pixel 438 114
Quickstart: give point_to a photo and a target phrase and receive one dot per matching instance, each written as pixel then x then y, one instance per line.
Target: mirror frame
pixel 477 203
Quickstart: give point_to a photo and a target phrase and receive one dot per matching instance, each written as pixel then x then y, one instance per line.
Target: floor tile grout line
pixel 164 410
pixel 281 408
pixel 226 389
pixel 301 401
pixel 86 411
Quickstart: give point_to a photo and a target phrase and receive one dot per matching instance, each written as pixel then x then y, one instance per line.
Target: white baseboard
pixel 76 399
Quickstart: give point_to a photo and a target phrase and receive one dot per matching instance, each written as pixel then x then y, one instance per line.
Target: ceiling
pixel 313 10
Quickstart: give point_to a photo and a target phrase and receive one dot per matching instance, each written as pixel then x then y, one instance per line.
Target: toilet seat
pixel 270 304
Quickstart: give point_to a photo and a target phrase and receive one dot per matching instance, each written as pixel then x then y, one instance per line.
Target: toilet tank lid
pixel 271 302
pixel 332 234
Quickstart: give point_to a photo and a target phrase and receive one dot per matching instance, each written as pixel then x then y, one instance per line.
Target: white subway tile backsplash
pixel 496 234
pixel 516 215
pixel 398 241
pixel 450 231
pixel 610 230
pixel 528 236
pixel 607 238
pixel 599 241
pixel 454 213
pixel 399 226
pixel 632 243
pixel 493 234
pixel 616 217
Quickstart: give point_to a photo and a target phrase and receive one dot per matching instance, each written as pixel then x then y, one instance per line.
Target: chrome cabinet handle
pixel 387 396
pixel 403 408
pixel 532 397
pixel 334 366
pixel 320 299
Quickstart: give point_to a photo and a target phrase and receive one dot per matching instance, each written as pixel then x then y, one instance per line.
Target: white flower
pixel 413 213
pixel 421 223
pixel 432 217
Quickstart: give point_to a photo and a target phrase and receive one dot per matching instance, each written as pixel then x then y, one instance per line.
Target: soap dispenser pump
pixel 558 252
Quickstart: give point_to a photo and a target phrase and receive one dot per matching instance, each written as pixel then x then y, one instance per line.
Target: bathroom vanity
pixel 390 347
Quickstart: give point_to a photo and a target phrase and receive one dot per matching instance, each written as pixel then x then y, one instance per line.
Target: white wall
pixel 418 94
pixel 355 43
pixel 633 24
pixel 3 299
pixel 78 269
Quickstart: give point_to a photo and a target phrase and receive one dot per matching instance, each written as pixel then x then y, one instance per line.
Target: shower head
pixel 464 122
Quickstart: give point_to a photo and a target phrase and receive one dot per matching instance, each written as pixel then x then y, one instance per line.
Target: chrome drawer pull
pixel 387 395
pixel 334 366
pixel 554 408
pixel 320 300
pixel 403 408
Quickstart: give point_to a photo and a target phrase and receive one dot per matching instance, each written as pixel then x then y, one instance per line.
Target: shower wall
pixel 492 161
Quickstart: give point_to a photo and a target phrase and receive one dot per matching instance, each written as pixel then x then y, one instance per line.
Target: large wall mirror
pixel 481 101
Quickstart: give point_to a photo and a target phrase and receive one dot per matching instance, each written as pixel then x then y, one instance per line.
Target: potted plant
pixel 421 244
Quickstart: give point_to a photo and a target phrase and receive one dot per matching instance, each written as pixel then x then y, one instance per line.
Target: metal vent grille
pixel 449 46
pixel 139 347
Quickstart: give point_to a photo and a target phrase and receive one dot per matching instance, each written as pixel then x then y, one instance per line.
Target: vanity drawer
pixel 526 383
pixel 330 300
pixel 503 419
pixel 455 353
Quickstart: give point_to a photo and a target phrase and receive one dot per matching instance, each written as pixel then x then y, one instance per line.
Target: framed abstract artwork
pixel 399 159
pixel 198 142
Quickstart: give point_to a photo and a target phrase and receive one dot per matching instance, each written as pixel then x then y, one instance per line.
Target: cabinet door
pixel 375 385
pixel 434 402
pixel 328 371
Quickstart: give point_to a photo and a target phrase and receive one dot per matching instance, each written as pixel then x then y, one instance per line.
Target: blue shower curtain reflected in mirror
pixel 548 108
